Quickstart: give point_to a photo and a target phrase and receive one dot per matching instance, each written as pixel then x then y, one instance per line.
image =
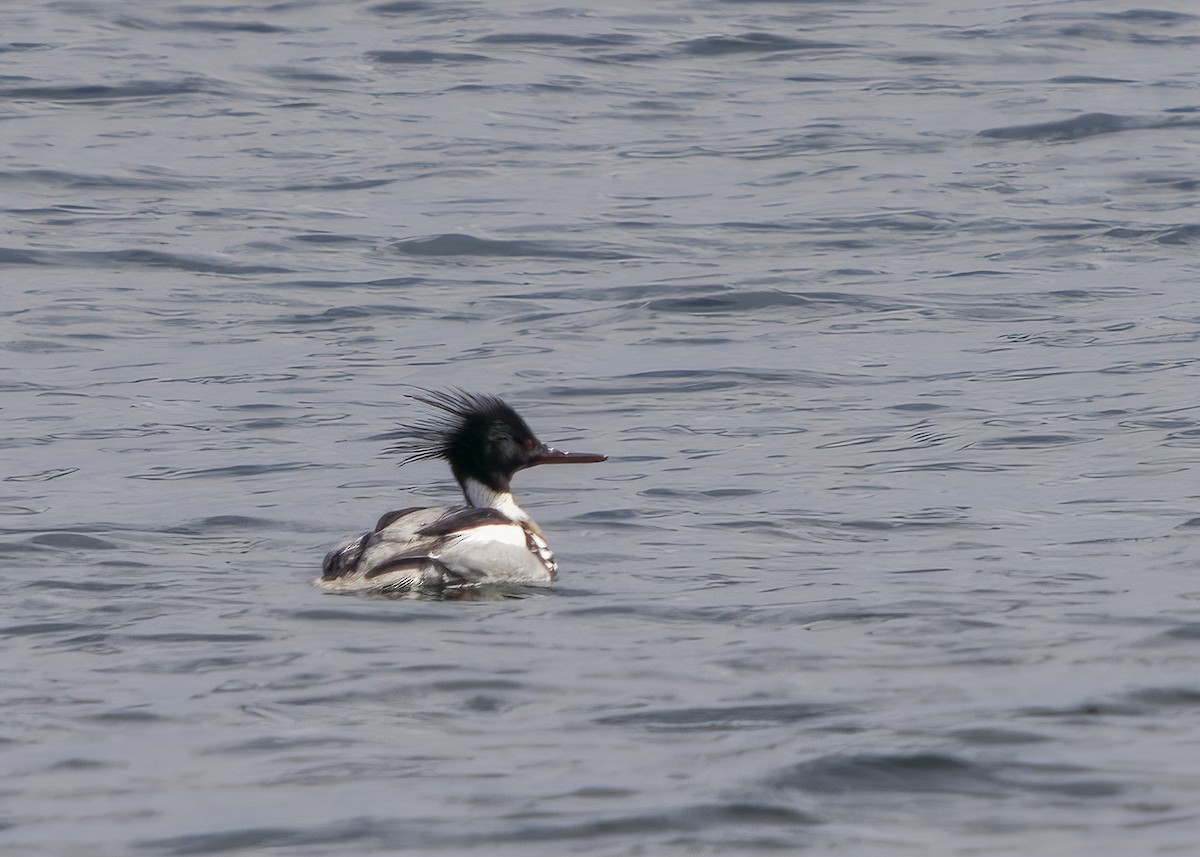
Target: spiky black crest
pixel 480 436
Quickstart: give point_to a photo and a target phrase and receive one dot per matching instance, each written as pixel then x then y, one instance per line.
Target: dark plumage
pixel 482 437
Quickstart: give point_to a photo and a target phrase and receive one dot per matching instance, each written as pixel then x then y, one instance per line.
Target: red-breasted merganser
pixel 489 540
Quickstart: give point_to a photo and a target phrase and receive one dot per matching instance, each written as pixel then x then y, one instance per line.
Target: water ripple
pixel 417 57
pixel 106 93
pixel 452 245
pixel 732 717
pixel 1086 125
pixel 754 43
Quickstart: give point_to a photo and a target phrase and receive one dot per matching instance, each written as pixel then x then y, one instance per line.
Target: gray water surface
pixel 885 312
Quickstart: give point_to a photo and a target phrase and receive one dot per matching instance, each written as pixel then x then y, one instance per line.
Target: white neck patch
pixel 481 496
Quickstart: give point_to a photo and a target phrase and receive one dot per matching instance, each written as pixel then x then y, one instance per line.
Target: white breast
pixel 502 552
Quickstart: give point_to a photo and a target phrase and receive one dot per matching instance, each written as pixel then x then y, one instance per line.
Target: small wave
pixel 716 493
pixel 301 75
pixel 814 303
pixel 994 736
pixel 126 715
pixel 324 239
pixel 235 471
pixel 1176 180
pixel 938 773
pixel 42 346
pixel 916 772
pixel 84 585
pixel 391 836
pixel 186 637
pixel 21 47
pixel 405 7
pixel 1185 233
pixel 456 244
pixel 245 378
pixel 687 819
pixel 753 43
pixel 424 57
pixel 1190 631
pixel 63 179
pixel 1147 367
pixel 347 313
pixel 933 59
pixel 1158 698
pixel 917 520
pixel 277 743
pixel 1086 125
pixel 72 541
pixel 136 258
pixel 731 717
pixel 1160 15
pixel 895 221
pixel 339 183
pixel 557 39
pixel 237 840
pixel 205 526
pixel 34 629
pixel 79 764
pixel 695 380
pixel 1144 702
pixel 102 92
pixel 210 25
pixel 1029 441
pixel 9 256
pixel 1083 78
pixel 1085 711
pixel 728 302
pixel 625 519
pixel 42 475
pixel 333 614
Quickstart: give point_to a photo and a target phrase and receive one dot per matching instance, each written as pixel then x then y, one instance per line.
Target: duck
pixel 489 540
